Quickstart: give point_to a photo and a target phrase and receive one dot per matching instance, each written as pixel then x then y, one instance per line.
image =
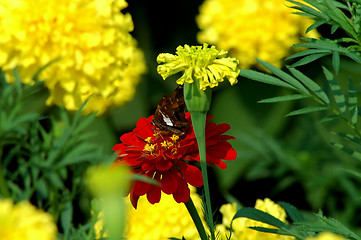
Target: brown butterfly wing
pixel 169 115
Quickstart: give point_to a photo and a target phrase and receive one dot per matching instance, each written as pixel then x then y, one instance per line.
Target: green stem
pixel 196 219
pixel 4 191
pixel 199 124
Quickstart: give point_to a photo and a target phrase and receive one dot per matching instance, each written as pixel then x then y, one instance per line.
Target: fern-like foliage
pixel 345 16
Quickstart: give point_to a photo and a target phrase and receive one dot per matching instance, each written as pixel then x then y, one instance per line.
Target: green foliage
pixel 333 102
pixel 43 159
pixel 300 227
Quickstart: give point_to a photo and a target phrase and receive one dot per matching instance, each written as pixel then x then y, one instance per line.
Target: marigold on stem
pixel 209 66
pixel 165 157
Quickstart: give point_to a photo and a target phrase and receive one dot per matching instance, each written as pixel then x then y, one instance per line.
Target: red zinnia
pixel 165 157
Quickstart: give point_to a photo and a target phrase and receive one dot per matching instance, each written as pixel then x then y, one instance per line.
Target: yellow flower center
pixel 161 143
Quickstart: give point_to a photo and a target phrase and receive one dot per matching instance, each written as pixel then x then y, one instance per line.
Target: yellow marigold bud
pixel 252 29
pixel 23 221
pixel 208 66
pixel 85 43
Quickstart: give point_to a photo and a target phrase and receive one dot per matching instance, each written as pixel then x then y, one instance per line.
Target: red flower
pixel 165 157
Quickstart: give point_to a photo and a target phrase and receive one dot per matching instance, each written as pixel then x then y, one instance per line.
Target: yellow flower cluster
pixel 159 221
pixel 85 43
pixel 24 222
pixel 209 66
pixel 326 236
pixel 241 230
pixel 252 29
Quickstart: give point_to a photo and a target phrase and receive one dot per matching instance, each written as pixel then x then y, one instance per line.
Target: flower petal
pixel 183 193
pixel 169 183
pixel 191 174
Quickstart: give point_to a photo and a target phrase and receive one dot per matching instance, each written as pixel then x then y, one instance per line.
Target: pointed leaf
pixel 315 25
pixel 336 61
pixel 270 230
pixel 283 98
pixel 292 212
pixel 310 84
pixel 265 78
pixel 307 52
pixel 307 110
pixel 336 91
pixel 351 152
pixel 349 137
pixel 352 102
pixel 261 216
pixel 309 58
pixel 286 77
pixel 329 118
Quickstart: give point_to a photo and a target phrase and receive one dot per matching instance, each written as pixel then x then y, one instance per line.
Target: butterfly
pixel 169 115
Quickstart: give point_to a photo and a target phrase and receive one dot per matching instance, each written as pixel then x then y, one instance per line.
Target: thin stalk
pixel 199 124
pixel 196 219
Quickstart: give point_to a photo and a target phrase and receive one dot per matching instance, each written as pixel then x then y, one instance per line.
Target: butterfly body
pixel 169 115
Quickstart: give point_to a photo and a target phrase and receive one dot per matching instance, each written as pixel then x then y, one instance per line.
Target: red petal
pixel 169 183
pixel 134 199
pixel 141 188
pixel 144 128
pixel 183 193
pixel 154 194
pixel 191 174
pixel 163 165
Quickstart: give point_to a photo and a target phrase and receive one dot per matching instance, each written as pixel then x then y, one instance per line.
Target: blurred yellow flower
pixel 24 222
pixel 252 29
pixel 241 230
pixel 209 66
pixel 326 236
pixel 86 42
pixel 159 221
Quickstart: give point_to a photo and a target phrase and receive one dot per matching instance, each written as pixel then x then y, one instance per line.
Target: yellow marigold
pixel 252 29
pixel 159 221
pixel 326 236
pixel 24 222
pixel 87 43
pixel 209 66
pixel 241 230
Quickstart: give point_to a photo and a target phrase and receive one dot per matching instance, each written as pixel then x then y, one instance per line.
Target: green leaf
pixel 351 152
pixel 352 102
pixel 334 28
pixel 349 137
pixel 330 45
pixel 261 216
pixel 286 77
pixel 336 91
pixel 265 78
pixel 309 58
pixel 292 212
pixel 66 217
pixel 315 25
pixel 310 84
pixel 336 61
pixel 338 16
pixel 307 52
pixel 304 8
pixel 329 118
pixel 270 230
pixel 283 98
pixel 307 110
